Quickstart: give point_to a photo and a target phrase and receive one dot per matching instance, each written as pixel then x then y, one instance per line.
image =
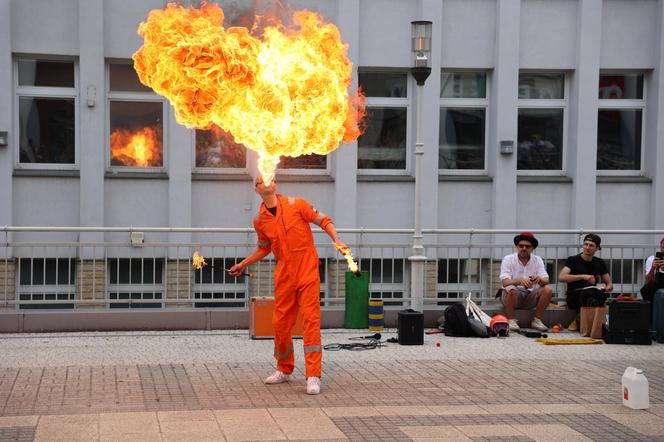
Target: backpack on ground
pixel 456 321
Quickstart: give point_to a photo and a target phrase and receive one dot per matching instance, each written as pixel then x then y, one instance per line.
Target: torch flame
pixel 197 261
pixel 140 148
pixel 283 94
pixel 352 265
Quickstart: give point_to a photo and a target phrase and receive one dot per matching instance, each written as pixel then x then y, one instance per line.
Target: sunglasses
pixel 524 246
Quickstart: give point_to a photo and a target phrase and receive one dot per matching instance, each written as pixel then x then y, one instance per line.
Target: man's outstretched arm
pixel 258 254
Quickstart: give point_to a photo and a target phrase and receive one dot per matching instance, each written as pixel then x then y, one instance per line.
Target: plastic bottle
pixel 635 389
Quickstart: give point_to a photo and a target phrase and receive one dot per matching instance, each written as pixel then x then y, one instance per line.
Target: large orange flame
pixel 140 148
pixel 283 94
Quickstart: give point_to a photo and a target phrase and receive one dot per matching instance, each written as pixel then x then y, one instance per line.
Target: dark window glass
pixel 216 148
pixel 25 271
pixel 619 139
pixel 451 271
pixel 461 138
pixel 49 271
pixel 540 139
pixel 380 84
pixel 136 134
pixel 135 296
pixel 386 271
pixel 463 85
pixel 123 77
pixel 46 130
pixel 626 87
pixel 46 73
pixel 383 144
pixel 303 162
pixel 622 271
pixel 214 272
pixel 541 86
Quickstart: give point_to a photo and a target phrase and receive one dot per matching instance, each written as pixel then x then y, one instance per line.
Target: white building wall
pixel 500 36
pixel 548 34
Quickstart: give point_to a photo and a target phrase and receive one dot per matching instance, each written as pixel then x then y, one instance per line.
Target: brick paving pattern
pixel 71 390
pixel 471 392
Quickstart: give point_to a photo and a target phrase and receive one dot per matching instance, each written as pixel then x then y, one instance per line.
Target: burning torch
pixel 352 265
pixel 198 262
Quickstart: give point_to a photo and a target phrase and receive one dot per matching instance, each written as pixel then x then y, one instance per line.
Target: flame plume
pixel 285 93
pixel 140 147
pixel 197 261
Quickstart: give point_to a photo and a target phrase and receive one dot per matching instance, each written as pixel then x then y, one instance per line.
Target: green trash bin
pixel 357 300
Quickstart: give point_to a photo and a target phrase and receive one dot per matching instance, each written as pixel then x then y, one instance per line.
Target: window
pixel 214 287
pixel 136 121
pixel 138 281
pixel 46 97
pixel 620 122
pixel 457 277
pixel 386 279
pixel 383 145
pixel 541 121
pixel 47 279
pixel 463 122
pixel 216 149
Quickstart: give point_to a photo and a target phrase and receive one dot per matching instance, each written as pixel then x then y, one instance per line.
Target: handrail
pixel 360 230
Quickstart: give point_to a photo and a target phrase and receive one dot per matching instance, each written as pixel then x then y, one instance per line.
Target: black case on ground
pixel 629 323
pixel 410 327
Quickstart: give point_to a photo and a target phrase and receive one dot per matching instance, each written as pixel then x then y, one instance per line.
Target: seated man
pixel 525 281
pixel 654 274
pixel 584 270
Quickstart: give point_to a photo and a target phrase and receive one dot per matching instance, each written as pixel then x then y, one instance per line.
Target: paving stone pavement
pixel 209 386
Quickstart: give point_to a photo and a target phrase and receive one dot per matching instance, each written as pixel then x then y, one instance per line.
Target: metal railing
pixel 102 268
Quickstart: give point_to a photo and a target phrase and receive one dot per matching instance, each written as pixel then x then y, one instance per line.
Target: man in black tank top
pixel 585 270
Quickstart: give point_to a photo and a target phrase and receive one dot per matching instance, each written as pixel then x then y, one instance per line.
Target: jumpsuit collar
pixel 263 209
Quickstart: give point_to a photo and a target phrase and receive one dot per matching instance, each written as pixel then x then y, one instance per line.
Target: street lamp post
pixel 421 40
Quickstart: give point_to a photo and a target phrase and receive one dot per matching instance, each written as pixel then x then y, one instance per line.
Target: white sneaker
pixel 277 378
pixel 538 325
pixel 313 385
pixel 513 325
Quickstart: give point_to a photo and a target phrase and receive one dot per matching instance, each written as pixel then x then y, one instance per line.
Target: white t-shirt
pixel 649 265
pixel 511 268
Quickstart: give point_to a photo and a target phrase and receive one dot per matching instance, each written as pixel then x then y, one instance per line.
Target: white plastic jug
pixel 635 389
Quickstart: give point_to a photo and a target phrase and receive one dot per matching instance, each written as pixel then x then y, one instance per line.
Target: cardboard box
pixel 260 319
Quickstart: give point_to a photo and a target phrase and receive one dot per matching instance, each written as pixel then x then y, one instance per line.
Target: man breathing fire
pixel 282 226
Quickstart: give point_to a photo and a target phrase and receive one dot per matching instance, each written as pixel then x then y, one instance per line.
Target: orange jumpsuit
pixel 296 278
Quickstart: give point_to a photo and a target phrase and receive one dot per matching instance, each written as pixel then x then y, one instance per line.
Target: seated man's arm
pixel 566 276
pixel 506 274
pixel 606 278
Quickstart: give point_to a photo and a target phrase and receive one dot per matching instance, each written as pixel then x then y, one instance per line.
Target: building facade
pixel 539 114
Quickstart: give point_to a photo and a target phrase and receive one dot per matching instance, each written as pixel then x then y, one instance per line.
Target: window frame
pixel 218 288
pixel 33 289
pixel 468 103
pixel 393 103
pixel 45 92
pixel 624 104
pixel 131 287
pixel 138 97
pixel 546 103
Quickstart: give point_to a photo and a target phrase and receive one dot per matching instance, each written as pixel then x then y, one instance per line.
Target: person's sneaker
pixel 277 378
pixel 538 325
pixel 513 325
pixel 313 385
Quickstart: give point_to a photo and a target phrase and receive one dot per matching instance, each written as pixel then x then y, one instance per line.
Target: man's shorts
pixel 526 299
